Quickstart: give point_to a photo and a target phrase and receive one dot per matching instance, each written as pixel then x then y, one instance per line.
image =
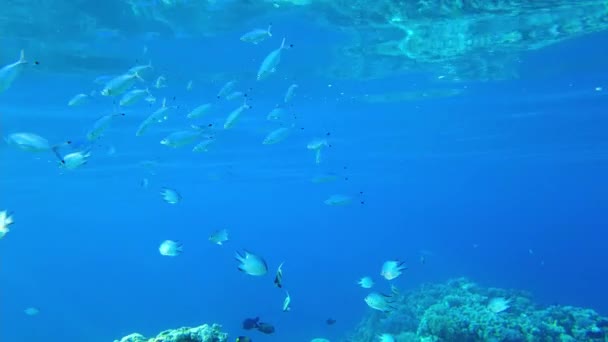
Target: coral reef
pixel 203 333
pixel 460 310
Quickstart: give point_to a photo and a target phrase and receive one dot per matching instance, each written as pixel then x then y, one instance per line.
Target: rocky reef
pixel 203 333
pixel 460 310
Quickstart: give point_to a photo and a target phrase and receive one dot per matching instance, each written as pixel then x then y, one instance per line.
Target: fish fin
pixel 269 27
pixel 138 76
pixel 22 57
pixel 283 43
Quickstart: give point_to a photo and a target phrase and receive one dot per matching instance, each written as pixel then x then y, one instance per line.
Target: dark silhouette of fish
pixel 265 328
pixel 243 339
pixel 251 323
pixel 330 321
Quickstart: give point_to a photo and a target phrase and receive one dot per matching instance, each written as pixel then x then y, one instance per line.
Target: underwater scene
pixel 303 170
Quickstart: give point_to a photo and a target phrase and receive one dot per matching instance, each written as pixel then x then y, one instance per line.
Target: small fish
pixel 219 237
pixel 134 96
pixel 10 72
pixel 386 338
pixel 330 321
pixel 29 142
pixel 170 248
pixel 145 183
pixel 379 302
pixel 287 302
pixel 392 269
pixel 120 84
pixel 189 85
pixel 277 136
pixel 257 36
pixel 366 282
pixel 101 125
pixel 337 199
pixel 161 82
pixel 276 114
pixel 226 89
pixel 235 115
pixel 170 196
pixel 200 111
pixel 203 146
pixel 78 100
pixel 250 323
pixel 6 220
pixel 317 145
pixel 181 138
pixel 251 264
pixel 243 339
pixel 31 311
pixel 141 69
pixel 235 95
pixel 278 278
pixel 159 115
pixel 290 93
pixel 271 62
pixel 75 160
pixel 265 328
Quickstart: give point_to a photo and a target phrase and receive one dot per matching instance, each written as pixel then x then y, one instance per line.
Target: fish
pixel 257 35
pixel 330 321
pixel 170 196
pixel 6 220
pixel 271 62
pixel 276 114
pixel 29 142
pixel 199 111
pixel 203 146
pixel 219 237
pixel 338 199
pixel 366 282
pixel 287 302
pixel 386 338
pixel 10 72
pixel 101 125
pixel 75 160
pixel 278 278
pixel 277 136
pixel 181 138
pixel 290 93
pixel 133 97
pixel 326 178
pixel 243 339
pixel 378 301
pixel 317 145
pixel 250 323
pixel 31 311
pixel 170 248
pixel 265 328
pixel 120 84
pixel 78 100
pixel 226 89
pixel 235 95
pixel 161 82
pixel 251 264
pixel 189 85
pixel 392 269
pixel 141 69
pixel 158 116
pixel 235 115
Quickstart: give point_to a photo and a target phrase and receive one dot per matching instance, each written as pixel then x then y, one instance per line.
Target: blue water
pixel 504 184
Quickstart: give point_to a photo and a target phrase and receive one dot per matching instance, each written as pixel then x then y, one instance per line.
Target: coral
pixel 460 310
pixel 203 333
